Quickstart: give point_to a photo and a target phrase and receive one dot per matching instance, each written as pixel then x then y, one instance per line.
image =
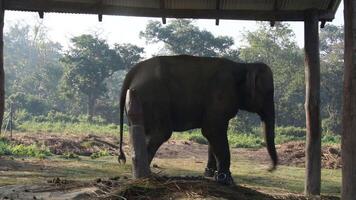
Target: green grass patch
pixel 32 150
pixel 70 155
pixel 72 128
pixel 101 153
pixel 249 140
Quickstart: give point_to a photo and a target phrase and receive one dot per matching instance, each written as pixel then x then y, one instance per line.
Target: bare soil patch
pixel 155 188
pixel 83 145
pixel 293 154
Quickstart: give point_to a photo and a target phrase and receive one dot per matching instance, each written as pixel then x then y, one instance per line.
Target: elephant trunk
pixel 268 125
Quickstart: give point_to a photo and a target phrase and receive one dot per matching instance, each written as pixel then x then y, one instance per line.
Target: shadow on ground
pixel 192 188
pixel 144 189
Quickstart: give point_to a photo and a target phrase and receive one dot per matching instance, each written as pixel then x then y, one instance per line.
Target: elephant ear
pixel 251 82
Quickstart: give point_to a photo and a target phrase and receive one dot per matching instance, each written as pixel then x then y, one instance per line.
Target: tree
pixel 87 64
pixel 183 37
pixel 32 65
pixel 108 108
pixel 332 67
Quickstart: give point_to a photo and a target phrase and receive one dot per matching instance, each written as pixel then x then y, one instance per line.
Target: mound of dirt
pixel 84 145
pixel 293 153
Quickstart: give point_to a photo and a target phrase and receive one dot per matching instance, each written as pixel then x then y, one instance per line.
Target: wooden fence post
pixel 140 166
pixel 2 73
pixel 312 104
pixel 348 145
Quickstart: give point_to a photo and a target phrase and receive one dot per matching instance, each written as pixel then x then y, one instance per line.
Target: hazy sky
pixel 117 29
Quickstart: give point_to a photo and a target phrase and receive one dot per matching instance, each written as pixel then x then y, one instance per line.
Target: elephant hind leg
pixel 154 141
pixel 211 165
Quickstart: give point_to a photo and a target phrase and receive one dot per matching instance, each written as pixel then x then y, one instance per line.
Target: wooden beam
pixel 91 8
pixel 348 144
pixel 162 6
pixel 99 7
pixel 312 104
pixel 2 72
pixel 217 8
pixel 41 14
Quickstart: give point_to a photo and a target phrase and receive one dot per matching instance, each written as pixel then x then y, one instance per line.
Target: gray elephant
pixel 179 93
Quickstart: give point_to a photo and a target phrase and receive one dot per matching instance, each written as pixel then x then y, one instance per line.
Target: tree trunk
pixel 91 107
pixel 2 73
pixel 349 105
pixel 312 104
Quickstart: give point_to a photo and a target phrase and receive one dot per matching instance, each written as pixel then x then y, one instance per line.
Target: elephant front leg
pixel 216 133
pixel 211 165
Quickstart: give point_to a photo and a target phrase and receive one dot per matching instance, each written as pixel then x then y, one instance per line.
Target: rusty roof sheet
pixel 282 10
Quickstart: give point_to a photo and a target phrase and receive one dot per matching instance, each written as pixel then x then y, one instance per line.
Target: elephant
pixel 182 92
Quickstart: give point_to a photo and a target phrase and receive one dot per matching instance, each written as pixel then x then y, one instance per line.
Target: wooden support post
pixel 312 102
pixel 140 166
pixel 162 6
pixel 348 145
pixel 2 72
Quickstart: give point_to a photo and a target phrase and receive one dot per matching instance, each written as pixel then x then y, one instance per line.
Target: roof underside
pixel 263 10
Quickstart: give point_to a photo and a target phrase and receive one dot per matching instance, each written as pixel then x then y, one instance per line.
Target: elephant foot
pixel 224 178
pixel 209 172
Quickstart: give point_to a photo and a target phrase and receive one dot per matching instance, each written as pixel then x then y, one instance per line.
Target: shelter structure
pixel 311 12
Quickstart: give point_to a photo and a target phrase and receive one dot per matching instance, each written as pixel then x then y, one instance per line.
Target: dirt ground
pixel 159 187
pixel 291 153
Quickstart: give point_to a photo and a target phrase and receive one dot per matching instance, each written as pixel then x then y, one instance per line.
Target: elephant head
pixel 259 98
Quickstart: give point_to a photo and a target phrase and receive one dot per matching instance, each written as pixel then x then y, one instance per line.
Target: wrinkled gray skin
pixel 179 93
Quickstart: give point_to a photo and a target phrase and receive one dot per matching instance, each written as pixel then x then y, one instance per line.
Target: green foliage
pixel 34 105
pixel 332 68
pixel 245 140
pixel 198 139
pixel 73 128
pixel 331 139
pixel 32 67
pixel 291 131
pixel 99 154
pixel 54 116
pixel 23 150
pixel 183 37
pixel 86 65
pixel 70 155
pixel 256 138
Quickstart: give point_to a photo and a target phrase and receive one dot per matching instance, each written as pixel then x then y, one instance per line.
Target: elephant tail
pixel 125 87
pixel 122 157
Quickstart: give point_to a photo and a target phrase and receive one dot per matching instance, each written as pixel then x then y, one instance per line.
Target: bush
pixel 22 150
pixel 291 131
pixel 331 139
pixel 198 139
pixel 331 125
pixel 32 104
pixel 245 140
pixel 70 155
pixel 30 151
pixel 99 154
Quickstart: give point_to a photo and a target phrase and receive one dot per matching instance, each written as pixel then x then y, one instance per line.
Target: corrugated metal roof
pixel 282 10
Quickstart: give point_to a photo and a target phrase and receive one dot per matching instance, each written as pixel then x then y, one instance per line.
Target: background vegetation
pixel 55 89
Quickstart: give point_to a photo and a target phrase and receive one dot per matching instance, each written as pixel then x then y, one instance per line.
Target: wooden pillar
pixel 312 102
pixel 2 73
pixel 140 166
pixel 348 145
